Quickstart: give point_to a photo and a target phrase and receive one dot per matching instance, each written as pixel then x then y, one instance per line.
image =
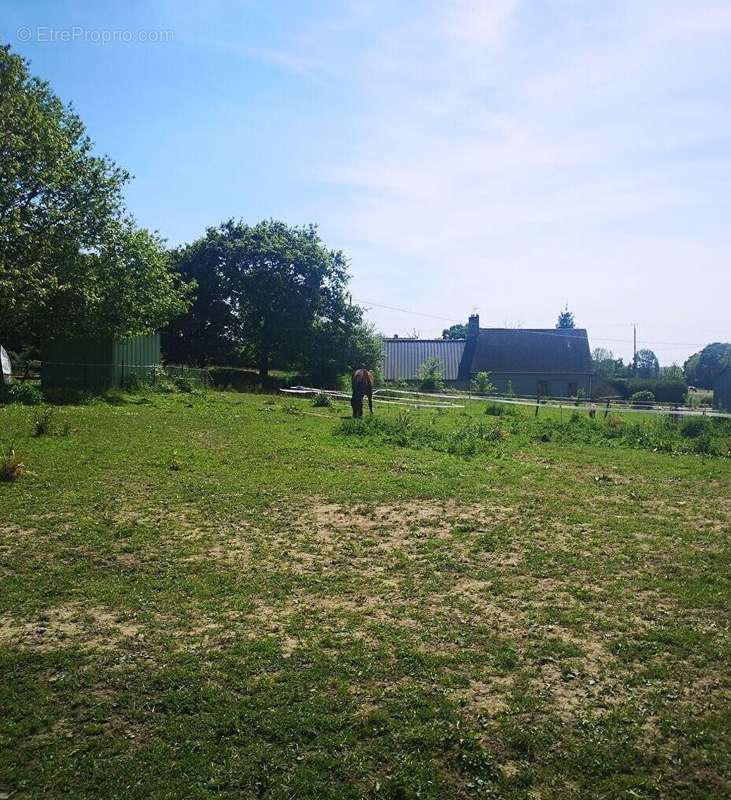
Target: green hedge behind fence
pixel 665 391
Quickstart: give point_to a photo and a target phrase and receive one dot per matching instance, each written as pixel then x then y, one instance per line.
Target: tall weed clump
pixel 322 400
pixel 408 430
pixel 11 467
pixel 431 376
pixel 481 384
pixel 43 420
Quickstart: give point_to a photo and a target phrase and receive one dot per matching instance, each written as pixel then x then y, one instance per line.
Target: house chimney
pixel 473 326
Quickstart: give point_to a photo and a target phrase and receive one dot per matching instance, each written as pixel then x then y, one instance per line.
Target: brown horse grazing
pixel 362 383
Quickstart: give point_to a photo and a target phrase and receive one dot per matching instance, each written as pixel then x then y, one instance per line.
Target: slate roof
pixel 532 350
pixel 402 358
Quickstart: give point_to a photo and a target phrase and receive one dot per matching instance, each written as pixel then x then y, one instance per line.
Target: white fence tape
pixel 404 398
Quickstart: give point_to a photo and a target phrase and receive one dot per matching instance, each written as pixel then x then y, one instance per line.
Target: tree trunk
pixel 264 364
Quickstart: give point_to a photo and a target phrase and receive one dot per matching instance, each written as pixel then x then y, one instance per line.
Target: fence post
pixel 538 403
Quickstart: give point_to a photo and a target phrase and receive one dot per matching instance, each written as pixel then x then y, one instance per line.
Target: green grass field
pixel 234 596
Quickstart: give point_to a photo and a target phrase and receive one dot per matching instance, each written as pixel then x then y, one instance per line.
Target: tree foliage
pixel 606 365
pixel 702 368
pixel 646 364
pixel 275 296
pixel 565 319
pixel 673 372
pixel 70 261
pixel 455 332
pixel 206 333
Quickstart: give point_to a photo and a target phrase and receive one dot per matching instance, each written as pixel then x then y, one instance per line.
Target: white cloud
pixel 575 156
pixel 479 21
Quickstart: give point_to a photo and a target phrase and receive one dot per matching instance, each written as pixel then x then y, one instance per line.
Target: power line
pixel 407 311
pixel 526 330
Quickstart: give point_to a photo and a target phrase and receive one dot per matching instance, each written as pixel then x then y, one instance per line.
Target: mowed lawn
pixel 231 596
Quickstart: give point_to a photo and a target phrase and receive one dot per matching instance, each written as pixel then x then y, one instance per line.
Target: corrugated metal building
pixel 403 358
pixel 722 391
pixel 95 365
pixel 549 362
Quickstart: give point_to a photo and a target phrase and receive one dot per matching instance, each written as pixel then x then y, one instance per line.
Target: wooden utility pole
pixel 634 357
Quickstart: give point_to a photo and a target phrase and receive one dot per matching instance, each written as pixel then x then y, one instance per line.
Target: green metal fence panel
pixel 83 364
pixel 95 365
pixel 138 356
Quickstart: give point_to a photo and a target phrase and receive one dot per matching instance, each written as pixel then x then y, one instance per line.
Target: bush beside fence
pixel 664 391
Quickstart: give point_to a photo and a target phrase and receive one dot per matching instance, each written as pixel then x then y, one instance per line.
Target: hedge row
pixel 665 391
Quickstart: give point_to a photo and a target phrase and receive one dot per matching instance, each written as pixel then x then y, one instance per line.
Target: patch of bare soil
pixel 91 628
pixel 486 697
pixel 329 535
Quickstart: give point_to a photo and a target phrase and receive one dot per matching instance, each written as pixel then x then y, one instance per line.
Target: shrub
pixel 27 394
pixel 184 384
pixel 431 376
pixel 642 398
pixel 694 427
pixel 499 410
pixel 703 445
pixel 322 400
pixel 481 383
pixel 43 420
pixel 11 467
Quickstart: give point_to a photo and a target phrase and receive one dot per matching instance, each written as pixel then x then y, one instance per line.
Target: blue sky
pixel 504 155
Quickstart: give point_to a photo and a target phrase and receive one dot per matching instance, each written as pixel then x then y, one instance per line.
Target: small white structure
pixel 5 366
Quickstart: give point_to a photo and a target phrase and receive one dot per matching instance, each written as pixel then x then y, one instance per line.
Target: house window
pixel 573 389
pixel 542 388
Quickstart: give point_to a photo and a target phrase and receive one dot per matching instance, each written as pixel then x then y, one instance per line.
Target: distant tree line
pixel 700 370
pixel 73 262
pixel 646 365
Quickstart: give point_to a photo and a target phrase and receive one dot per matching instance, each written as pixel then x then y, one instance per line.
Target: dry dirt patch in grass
pixel 91 628
pixel 366 538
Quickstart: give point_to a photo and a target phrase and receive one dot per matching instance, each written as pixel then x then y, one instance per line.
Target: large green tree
pixel 207 332
pixel 702 368
pixel 275 294
pixel 70 260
